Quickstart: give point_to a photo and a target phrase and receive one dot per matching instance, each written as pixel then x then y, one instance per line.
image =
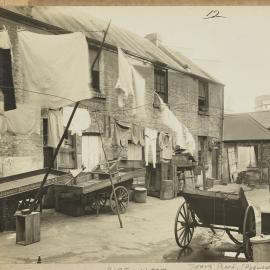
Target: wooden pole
pixel 228 161
pixel 203 164
pixel 111 179
pixel 261 165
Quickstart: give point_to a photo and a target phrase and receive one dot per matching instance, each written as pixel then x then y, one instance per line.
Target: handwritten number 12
pixel 213 14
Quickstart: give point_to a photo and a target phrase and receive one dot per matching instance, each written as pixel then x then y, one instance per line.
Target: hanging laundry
pixel 121 133
pixel 137 134
pixel 184 138
pixel 139 93
pixel 23 120
pixel 55 127
pixel 124 84
pixel 150 143
pixel 80 122
pixel 130 82
pixel 165 145
pixel 55 68
pixel 6 78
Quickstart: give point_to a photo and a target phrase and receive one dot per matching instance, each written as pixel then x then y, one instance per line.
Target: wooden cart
pixel 17 192
pixel 216 210
pixel 94 193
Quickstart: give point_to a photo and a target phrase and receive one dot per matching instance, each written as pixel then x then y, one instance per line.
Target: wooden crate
pixel 27 228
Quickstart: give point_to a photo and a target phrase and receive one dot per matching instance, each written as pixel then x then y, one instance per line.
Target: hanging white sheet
pixel 55 68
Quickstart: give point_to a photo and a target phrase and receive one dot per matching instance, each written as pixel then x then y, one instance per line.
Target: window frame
pixel 203 100
pixel 161 74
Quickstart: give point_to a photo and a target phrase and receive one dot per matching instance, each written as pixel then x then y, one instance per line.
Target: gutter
pixel 20 18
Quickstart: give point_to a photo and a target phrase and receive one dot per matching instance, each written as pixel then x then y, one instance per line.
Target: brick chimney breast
pixel 155 38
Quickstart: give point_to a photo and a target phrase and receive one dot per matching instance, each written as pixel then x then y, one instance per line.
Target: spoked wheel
pixel 98 202
pixel 122 198
pixel 184 225
pixel 249 230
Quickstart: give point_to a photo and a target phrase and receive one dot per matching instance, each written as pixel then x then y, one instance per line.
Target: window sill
pixel 206 113
pixel 98 95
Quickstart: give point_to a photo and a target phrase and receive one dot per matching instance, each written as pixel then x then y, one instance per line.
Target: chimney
pixel 155 38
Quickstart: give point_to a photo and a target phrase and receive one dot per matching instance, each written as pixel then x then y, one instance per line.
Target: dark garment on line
pixel 121 133
pixel 6 80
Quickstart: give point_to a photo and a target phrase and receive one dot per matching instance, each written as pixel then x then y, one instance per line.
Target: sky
pixel 234 49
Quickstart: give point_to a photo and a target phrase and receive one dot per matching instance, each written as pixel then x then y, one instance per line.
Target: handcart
pixel 216 210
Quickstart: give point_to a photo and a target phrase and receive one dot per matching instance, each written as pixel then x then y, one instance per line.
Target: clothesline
pixel 118 110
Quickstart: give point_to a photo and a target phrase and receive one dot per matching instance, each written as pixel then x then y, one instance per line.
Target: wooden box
pixel 27 228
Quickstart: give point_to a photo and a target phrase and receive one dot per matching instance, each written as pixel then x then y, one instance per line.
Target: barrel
pixel 261 248
pixel 167 190
pixel 140 194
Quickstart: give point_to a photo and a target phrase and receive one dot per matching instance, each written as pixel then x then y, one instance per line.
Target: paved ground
pixel 147 236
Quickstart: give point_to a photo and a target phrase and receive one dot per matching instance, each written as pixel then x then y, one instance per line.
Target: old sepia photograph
pixel 134 134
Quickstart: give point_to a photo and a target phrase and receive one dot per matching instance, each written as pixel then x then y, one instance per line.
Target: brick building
pixel 194 96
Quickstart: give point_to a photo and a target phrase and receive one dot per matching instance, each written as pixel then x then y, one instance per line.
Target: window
pixel 161 83
pixel 203 104
pixel 95 71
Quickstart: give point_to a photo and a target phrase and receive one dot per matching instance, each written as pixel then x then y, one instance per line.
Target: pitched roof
pixel 263 117
pixel 77 19
pixel 243 127
pixel 187 63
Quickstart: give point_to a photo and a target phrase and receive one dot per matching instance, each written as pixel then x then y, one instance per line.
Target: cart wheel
pixel 249 230
pixel 98 202
pixel 184 225
pixel 122 198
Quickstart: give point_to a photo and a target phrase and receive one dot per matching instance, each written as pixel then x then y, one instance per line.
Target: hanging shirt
pixel 121 133
pixel 80 122
pixel 165 144
pixel 55 68
pixel 150 144
pixel 55 127
pixel 6 78
pixel 124 84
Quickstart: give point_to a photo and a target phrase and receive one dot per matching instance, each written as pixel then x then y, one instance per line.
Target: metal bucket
pixel 140 194
pixel 261 248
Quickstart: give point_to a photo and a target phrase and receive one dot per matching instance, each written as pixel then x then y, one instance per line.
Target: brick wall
pixel 183 101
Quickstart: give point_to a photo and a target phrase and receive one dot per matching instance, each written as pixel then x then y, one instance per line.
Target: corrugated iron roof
pixel 186 63
pixel 78 19
pixel 243 127
pixel 263 117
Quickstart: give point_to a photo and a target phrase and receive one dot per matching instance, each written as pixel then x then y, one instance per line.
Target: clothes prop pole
pixel 111 179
